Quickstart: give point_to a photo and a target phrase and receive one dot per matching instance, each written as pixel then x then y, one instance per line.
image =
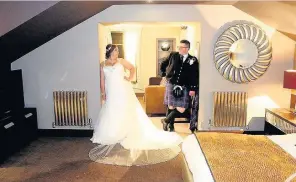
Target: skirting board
pixel 64 133
pixel 268 130
pixel 222 131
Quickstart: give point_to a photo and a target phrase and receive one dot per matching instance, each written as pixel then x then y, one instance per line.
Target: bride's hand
pixel 127 79
pixel 103 98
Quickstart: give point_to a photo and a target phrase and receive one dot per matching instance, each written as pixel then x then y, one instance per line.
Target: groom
pixel 180 70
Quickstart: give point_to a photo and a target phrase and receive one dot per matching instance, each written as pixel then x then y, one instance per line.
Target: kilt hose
pixel 194 112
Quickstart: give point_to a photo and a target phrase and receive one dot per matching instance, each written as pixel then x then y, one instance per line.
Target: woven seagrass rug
pixel 239 157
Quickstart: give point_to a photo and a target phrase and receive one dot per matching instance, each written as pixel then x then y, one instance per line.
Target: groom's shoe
pixel 193 130
pixel 164 124
pixel 172 128
pixel 170 119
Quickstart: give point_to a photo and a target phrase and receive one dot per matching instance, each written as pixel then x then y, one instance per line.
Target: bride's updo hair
pixel 109 49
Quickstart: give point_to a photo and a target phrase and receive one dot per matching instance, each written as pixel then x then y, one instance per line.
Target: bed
pixel 230 157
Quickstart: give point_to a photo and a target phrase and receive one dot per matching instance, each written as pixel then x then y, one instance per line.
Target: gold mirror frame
pixel 222 55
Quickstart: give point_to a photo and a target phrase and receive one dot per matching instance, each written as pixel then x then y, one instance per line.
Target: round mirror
pixel 243 53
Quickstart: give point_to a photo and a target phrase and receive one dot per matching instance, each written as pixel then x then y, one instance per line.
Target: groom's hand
pixel 163 81
pixel 192 93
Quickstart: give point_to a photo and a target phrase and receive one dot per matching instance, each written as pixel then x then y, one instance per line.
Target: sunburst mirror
pixel 242 52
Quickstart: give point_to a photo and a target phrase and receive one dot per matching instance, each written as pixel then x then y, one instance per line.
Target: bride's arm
pixel 130 67
pixel 102 82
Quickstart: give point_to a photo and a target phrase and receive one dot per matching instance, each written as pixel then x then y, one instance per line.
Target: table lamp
pixel 290 81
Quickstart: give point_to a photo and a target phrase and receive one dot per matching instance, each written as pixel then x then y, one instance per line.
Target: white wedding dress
pixel 125 134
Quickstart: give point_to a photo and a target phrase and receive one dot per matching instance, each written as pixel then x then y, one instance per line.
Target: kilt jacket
pixel 179 72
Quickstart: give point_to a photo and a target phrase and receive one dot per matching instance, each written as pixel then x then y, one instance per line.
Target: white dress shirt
pixel 185 57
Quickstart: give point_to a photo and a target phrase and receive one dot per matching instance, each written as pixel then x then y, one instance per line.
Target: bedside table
pixel 282 118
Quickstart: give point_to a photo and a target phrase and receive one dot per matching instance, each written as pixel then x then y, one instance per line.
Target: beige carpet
pixel 66 159
pixel 244 158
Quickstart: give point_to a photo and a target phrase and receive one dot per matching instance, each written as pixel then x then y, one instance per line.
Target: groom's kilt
pixel 170 100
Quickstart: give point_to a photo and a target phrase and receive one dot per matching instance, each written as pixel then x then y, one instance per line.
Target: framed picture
pixel 164 47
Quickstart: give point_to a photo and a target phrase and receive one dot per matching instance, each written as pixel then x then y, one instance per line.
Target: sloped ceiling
pixel 45 26
pixel 47 20
pixel 55 20
pixel 280 15
pixel 15 13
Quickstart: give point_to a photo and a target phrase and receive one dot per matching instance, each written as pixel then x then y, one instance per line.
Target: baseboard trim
pixel 254 132
pixel 64 133
pixel 235 131
pixel 269 129
pixel 222 131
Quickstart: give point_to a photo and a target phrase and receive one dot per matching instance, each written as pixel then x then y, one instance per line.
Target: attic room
pixel 90 91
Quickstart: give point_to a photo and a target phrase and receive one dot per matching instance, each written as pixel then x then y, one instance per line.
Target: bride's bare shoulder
pixel 122 61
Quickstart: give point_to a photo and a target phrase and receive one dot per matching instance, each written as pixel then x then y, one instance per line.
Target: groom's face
pixel 183 49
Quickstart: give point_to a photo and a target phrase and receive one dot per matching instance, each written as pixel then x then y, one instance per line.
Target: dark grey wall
pixel 14 13
pixel 45 26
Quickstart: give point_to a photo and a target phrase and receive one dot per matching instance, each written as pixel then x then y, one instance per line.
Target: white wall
pixel 104 38
pixel 71 61
pixel 193 34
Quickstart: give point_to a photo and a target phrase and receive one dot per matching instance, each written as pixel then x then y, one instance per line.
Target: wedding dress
pixel 125 134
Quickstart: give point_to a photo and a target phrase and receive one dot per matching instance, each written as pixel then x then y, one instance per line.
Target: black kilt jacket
pixel 181 73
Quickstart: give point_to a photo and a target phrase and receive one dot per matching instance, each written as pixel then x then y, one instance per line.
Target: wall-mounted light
pixel 184 27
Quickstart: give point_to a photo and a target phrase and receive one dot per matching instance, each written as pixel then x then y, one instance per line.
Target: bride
pixel 125 134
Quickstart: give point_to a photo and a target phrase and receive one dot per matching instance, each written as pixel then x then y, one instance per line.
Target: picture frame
pixel 164 46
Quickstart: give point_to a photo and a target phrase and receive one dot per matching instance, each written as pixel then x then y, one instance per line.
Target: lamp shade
pixel 290 79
